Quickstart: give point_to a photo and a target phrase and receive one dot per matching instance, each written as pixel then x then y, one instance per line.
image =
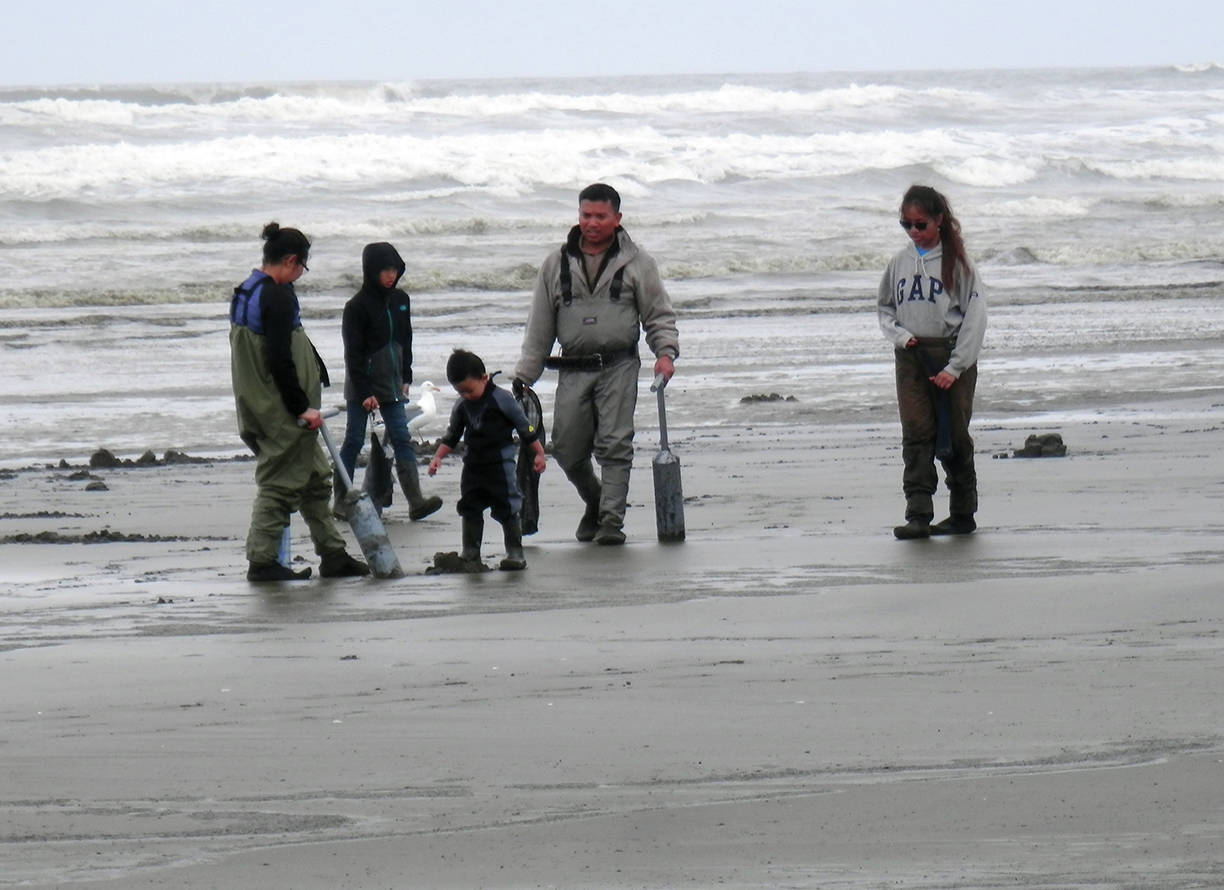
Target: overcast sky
pixel 138 41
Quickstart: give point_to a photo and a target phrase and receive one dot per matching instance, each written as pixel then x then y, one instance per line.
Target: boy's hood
pixel 376 257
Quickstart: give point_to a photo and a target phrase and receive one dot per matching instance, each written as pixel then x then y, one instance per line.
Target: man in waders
pixel 278 381
pixel 594 296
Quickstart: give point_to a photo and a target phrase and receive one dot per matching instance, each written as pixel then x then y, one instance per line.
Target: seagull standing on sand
pixel 425 409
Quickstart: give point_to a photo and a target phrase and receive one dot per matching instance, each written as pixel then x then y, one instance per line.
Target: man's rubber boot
pixel 913 530
pixel 512 532
pixel 610 534
pixel 956 524
pixel 419 506
pixel 589 489
pixel 341 565
pixel 613 499
pixel 473 532
pixel 274 571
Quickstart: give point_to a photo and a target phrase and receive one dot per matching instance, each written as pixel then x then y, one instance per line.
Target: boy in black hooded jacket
pixel 377 331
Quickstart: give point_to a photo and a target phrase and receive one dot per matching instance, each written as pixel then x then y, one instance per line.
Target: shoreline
pixel 789 698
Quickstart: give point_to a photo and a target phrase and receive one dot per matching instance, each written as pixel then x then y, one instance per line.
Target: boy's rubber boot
pixel 473 532
pixel 512 533
pixel 419 506
pixel 589 488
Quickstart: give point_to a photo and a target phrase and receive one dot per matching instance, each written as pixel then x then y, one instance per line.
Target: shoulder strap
pixel 243 291
pixel 567 283
pixel 617 281
pixel 238 292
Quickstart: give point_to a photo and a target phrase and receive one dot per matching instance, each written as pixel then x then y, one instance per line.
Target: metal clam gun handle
pixel 341 472
pixel 657 385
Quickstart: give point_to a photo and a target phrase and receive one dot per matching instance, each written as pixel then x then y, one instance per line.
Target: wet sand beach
pixel 791 698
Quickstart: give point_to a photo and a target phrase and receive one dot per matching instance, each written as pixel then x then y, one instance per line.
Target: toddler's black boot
pixel 512 531
pixel 473 532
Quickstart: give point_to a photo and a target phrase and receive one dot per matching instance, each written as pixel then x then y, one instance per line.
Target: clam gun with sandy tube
pixel 668 492
pixel 363 516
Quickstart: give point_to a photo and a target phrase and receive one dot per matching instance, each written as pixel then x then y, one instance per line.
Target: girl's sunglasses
pixel 920 225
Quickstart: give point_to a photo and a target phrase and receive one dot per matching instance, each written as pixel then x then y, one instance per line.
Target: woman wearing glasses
pixel 278 380
pixel 932 308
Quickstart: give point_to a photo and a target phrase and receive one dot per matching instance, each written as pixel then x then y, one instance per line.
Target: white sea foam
pixel 400 102
pixel 516 165
pixel 1201 67
pixel 1038 207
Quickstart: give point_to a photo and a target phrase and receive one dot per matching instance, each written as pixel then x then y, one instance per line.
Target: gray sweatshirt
pixel 593 321
pixel 914 303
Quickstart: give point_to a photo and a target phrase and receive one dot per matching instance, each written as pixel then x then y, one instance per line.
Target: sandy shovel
pixel 363 517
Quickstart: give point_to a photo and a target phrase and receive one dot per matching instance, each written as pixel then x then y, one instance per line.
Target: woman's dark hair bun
pixel 280 243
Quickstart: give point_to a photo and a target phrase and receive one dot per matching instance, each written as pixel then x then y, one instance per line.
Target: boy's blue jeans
pixel 397 426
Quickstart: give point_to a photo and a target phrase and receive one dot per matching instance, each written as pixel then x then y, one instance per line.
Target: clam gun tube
pixel 363 516
pixel 669 496
pixel 284 554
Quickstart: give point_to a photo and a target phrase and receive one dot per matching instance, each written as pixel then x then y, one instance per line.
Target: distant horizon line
pixel 1188 67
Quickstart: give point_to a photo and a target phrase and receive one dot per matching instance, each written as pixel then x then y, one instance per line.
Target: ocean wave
pixel 1206 168
pixel 986 171
pixel 1124 254
pixel 241 165
pixel 419 142
pixel 747 283
pixel 1200 68
pixel 358 101
pixel 510 165
pixel 49 298
pixel 1037 207
pixel 516 279
pixel 133 94
pixel 781 102
pixel 43 232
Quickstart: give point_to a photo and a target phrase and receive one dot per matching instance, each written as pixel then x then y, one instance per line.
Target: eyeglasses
pixel 920 225
pixel 305 268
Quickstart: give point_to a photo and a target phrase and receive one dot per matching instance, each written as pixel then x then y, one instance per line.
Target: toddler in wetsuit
pixel 485 418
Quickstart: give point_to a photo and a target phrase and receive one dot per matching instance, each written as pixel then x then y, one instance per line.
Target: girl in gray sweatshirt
pixel 931 307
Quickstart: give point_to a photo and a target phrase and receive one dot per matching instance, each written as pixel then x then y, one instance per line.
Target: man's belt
pixel 595 361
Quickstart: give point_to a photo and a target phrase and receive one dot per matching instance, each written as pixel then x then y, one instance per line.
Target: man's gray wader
pixel 593 413
pixel 916 403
